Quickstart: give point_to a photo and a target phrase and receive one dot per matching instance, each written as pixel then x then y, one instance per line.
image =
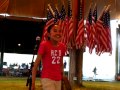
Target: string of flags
pixel 94 32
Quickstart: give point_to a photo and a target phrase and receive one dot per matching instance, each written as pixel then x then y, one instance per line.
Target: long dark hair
pixel 49 29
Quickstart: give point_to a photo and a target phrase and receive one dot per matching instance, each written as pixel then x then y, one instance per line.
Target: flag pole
pixel 94 6
pixel 50 8
pixel 102 12
pixel 107 8
pixel 56 6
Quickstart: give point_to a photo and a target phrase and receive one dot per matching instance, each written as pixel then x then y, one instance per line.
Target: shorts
pixel 49 84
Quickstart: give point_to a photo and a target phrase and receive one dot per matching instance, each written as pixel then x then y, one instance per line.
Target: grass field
pixel 12 83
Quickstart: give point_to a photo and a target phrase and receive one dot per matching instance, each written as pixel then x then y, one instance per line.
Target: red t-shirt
pixel 52 59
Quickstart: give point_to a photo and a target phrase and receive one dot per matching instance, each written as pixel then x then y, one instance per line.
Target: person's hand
pixel 66 83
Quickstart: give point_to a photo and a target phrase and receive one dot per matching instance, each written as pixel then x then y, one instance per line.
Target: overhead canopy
pixel 27 9
pixel 17 16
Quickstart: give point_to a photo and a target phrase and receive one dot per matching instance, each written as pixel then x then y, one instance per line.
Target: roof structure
pixel 21 21
pixel 37 8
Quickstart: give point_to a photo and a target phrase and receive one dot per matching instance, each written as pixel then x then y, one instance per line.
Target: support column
pixel 2 43
pixel 76 56
pixel 72 69
pixel 72 72
pixel 117 71
pixel 119 50
pixel 1 54
pixel 79 65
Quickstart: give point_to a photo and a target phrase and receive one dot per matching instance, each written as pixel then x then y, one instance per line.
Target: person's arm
pixel 34 70
pixel 62 69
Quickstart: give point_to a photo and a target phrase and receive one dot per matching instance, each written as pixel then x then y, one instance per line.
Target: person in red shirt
pixel 50 53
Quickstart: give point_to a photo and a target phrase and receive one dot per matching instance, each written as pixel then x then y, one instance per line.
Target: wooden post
pixel 79 56
pixel 72 72
pixel 76 56
pixel 72 66
pixel 79 64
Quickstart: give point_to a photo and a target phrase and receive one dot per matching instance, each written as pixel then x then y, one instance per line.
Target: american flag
pixel 102 33
pixel 108 31
pixel 70 25
pixel 63 21
pixel 50 21
pixel 57 16
pixel 89 29
pixel 96 44
pixel 80 30
pixel 93 34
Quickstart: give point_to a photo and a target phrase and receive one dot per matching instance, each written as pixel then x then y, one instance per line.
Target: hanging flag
pixel 93 34
pixel 63 21
pixel 70 42
pixel 89 29
pixel 102 33
pixel 50 21
pixel 96 44
pixel 57 16
pixel 108 31
pixel 94 40
pixel 80 30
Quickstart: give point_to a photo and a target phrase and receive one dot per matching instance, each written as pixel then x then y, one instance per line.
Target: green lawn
pixel 12 83
pixel 91 85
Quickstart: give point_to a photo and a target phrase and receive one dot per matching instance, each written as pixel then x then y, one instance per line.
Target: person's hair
pixel 49 29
